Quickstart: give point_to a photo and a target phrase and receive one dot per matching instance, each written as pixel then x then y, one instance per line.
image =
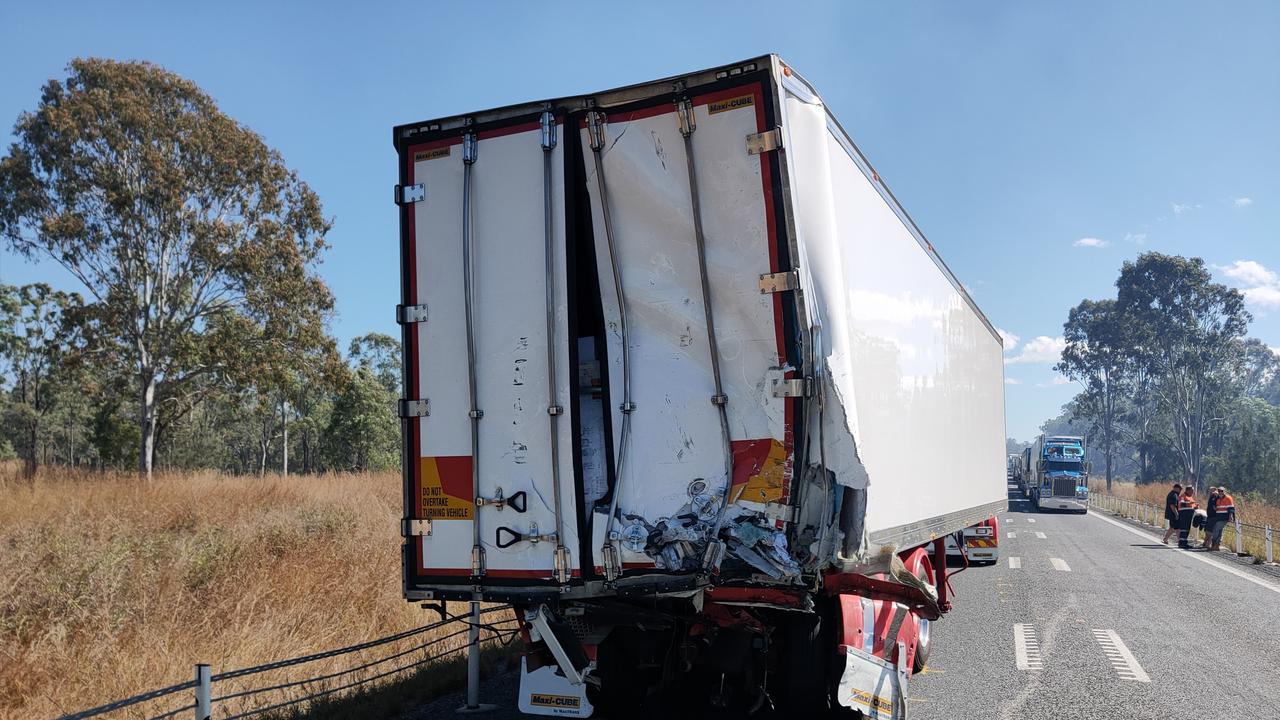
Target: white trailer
pixel 677 366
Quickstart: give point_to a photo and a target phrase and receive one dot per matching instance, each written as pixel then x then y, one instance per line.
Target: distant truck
pixel 1013 469
pixel 978 544
pixel 1058 476
pixel 669 351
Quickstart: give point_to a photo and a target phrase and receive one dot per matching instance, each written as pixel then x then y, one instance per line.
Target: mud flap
pixel 874 686
pixel 545 691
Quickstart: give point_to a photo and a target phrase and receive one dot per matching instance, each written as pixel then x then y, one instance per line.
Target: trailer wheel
pixel 924 636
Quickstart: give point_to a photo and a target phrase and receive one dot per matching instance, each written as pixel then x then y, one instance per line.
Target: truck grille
pixel 1064 487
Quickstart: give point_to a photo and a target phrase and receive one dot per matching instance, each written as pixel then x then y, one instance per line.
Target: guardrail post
pixel 473 664
pixel 1239 540
pixel 1270 557
pixel 204 692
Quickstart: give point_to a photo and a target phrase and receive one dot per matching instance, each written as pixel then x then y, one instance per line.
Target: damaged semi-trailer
pixel 670 351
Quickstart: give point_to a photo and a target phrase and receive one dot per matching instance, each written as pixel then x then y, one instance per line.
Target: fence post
pixel 1239 540
pixel 1270 557
pixel 204 692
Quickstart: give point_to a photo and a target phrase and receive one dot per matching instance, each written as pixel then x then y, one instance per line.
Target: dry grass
pixel 1250 512
pixel 110 585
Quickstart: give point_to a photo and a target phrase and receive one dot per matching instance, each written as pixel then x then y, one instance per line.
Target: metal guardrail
pixel 1247 538
pixel 203 701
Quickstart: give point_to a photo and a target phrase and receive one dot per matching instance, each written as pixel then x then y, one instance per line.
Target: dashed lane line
pixel 1238 573
pixel 1031 520
pixel 1012 535
pixel 1060 564
pixel 1121 659
pixel 1040 535
pixel 1015 563
pixel 1026 649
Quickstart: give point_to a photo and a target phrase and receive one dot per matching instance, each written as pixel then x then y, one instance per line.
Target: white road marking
pixel 1040 535
pixel 1060 564
pixel 1012 535
pixel 1225 568
pixel 1031 519
pixel 1026 648
pixel 1122 661
pixel 1015 563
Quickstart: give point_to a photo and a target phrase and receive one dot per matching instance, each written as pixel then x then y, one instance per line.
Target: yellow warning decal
pixel 554 701
pixel 446 488
pixel 765 471
pixel 731 104
pixel 432 154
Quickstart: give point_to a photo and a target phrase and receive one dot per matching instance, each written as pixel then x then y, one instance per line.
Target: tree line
pixel 200 335
pixel 1172 387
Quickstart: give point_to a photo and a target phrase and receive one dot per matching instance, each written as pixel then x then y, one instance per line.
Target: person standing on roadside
pixel 1186 515
pixel 1171 511
pixel 1210 506
pixel 1226 507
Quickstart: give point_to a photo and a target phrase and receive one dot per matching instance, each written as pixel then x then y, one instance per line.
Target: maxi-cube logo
pixel 555 701
pixel 730 104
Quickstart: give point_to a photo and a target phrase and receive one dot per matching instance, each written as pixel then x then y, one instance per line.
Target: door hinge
pixel 408 194
pixel 415 527
pixel 684 112
pixel 415 408
pixel 778 511
pixel 764 142
pixel 779 282
pixel 596 121
pixel 793 387
pixel 548 130
pixel 407 314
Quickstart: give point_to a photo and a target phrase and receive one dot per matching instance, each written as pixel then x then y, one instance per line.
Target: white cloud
pixel 1041 349
pixel 1260 284
pixel 1179 208
pixel 1242 202
pixel 1009 339
pixel 1091 242
pixel 1263 297
pixel 1136 238
pixel 1059 380
pixel 1249 273
pixel 1012 381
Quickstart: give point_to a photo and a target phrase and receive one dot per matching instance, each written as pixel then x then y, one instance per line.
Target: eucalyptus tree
pixel 193 240
pixel 1187 331
pixel 37 338
pixel 1098 356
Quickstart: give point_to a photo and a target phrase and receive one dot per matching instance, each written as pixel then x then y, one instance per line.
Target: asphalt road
pixel 1085 616
pixel 1124 627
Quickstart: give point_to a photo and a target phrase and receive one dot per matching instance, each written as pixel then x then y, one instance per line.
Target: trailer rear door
pixel 506 201
pixel 676 450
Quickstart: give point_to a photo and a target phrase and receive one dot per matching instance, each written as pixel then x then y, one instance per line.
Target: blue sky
pixel 1038 145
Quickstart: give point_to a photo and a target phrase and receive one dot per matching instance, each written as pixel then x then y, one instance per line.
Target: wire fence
pixel 368 662
pixel 1242 537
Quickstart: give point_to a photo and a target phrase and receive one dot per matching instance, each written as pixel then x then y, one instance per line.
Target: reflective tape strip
pixel 868 625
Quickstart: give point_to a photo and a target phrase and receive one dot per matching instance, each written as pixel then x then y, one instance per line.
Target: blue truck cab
pixel 1061 474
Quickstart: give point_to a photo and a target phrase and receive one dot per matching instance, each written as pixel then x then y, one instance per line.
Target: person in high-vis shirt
pixel 1186 514
pixel 1225 512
